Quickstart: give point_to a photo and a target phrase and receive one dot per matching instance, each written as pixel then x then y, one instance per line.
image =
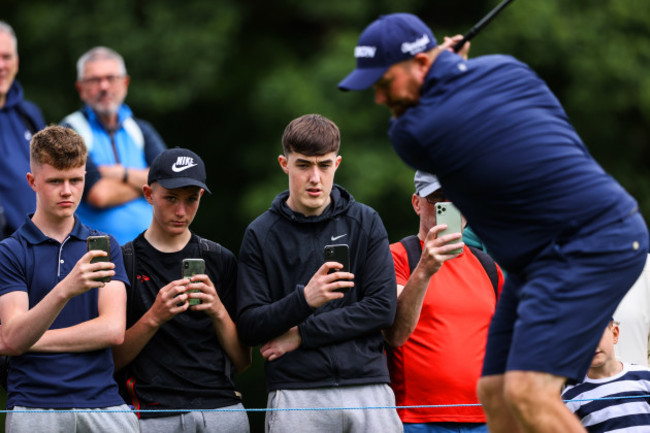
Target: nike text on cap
pixel 388 40
pixel 177 168
pixel 425 183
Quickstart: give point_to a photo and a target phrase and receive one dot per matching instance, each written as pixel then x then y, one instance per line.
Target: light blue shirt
pixel 127 220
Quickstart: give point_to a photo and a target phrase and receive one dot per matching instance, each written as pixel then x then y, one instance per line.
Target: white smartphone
pixel 447 213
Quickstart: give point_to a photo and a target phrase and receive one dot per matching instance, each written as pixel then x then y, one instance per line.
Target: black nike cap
pixel 178 168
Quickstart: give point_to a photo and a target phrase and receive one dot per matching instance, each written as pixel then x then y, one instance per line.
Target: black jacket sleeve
pixel 260 318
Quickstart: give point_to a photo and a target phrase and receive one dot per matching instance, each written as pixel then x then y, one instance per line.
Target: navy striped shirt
pixel 619 403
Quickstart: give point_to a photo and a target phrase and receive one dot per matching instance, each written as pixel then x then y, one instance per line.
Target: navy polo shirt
pixel 34 263
pixel 507 156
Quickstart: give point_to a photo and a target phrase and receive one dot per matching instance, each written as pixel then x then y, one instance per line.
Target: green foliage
pixel 224 78
pixel 595 57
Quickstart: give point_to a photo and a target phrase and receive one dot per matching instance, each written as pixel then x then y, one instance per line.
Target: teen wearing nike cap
pixel 323 347
pixel 176 355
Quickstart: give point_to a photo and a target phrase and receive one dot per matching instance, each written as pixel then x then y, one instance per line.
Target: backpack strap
pixel 133 130
pixel 128 254
pixel 490 267
pixel 414 252
pixel 205 246
pixel 79 123
pixel 152 142
pixel 122 377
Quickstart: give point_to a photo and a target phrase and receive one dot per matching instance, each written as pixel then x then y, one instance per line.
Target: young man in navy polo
pixel 58 321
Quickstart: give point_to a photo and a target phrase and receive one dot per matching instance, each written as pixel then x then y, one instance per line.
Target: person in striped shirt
pixel 614 396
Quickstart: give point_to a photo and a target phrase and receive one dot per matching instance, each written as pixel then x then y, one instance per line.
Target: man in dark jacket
pixel 19 119
pixel 319 327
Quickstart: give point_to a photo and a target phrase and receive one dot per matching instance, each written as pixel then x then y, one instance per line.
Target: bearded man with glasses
pixel 120 147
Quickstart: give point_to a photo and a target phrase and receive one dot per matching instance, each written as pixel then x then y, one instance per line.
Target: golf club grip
pixel 480 25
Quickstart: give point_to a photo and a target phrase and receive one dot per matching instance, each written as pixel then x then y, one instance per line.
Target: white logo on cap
pixel 416 46
pixel 365 51
pixel 183 163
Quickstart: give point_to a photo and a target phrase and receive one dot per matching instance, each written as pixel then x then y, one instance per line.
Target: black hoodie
pixel 342 342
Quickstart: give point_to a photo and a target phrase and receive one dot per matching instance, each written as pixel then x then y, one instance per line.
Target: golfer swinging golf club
pixel 570 237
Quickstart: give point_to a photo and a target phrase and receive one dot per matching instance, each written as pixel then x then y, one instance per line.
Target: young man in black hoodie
pixel 320 331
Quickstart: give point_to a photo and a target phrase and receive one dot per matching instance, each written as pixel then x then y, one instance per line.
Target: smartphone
pixel 447 213
pixel 100 243
pixel 339 253
pixel 192 267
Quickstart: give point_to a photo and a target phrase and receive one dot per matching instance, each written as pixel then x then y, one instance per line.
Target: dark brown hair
pixel 311 135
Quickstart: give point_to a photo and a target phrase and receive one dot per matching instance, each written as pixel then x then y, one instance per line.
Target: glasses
pixel 96 81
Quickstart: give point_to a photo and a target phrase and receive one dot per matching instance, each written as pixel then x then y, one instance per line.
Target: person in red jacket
pixel 438 337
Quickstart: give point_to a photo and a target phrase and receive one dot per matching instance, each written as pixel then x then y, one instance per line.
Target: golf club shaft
pixel 480 25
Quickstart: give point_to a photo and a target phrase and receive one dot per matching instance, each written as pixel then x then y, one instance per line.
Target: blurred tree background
pixel 224 77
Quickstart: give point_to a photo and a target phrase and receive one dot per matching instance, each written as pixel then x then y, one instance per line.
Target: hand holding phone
pixel 447 213
pixel 190 268
pixel 102 243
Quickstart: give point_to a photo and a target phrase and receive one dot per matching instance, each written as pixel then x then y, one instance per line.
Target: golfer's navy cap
pixel 178 168
pixel 388 40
